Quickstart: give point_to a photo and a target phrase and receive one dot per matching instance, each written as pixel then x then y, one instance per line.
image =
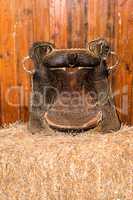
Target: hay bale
pixel 89 167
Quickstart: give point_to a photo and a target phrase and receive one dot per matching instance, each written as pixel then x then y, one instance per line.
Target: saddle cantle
pixel 70 88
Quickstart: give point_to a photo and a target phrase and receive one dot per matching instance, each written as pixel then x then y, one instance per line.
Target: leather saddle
pixel 70 90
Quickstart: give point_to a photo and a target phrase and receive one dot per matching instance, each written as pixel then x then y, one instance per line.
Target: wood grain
pixel 67 24
pixel 24 39
pixel 8 64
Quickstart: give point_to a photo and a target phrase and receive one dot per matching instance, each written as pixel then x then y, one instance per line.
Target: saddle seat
pixel 73 107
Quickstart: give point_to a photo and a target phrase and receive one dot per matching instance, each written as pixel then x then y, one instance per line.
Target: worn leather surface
pixel 74 80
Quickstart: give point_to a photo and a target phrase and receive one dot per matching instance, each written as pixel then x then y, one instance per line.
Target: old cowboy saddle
pixel 70 88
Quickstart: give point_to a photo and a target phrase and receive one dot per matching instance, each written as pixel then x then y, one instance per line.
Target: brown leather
pixel 71 82
pixel 74 108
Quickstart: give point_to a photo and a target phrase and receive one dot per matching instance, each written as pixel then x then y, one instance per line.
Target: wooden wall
pixel 67 23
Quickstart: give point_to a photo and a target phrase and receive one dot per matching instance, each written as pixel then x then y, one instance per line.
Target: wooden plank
pixel 69 23
pixel 77 25
pixel 62 42
pixel 111 33
pixel 92 20
pixel 1 72
pixel 129 67
pixel 24 39
pixel 52 20
pixel 41 20
pixel 123 80
pixel 85 22
pixel 57 18
pixel 77 12
pixel 0 103
pixel 8 64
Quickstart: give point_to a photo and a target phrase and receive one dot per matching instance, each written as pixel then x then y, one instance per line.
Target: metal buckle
pixel 31 72
pixel 113 67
